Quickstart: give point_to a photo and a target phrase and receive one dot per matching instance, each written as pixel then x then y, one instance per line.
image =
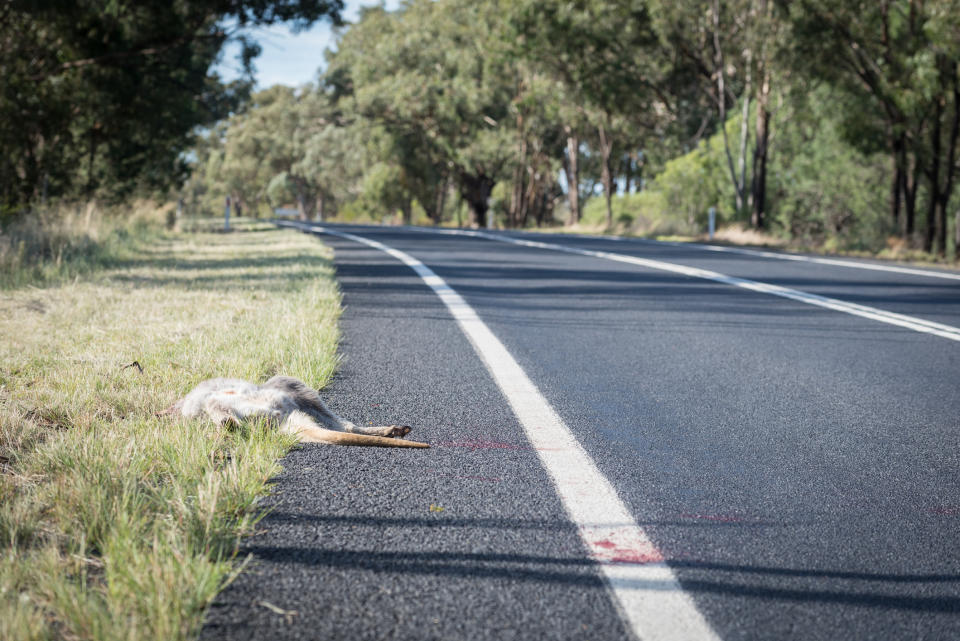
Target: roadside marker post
pixel 226 215
pixel 712 223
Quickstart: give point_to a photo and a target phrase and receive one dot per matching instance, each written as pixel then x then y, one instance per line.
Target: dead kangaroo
pixel 289 403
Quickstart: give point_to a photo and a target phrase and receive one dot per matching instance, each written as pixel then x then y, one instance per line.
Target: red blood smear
pixel 946 510
pixel 627 555
pixel 484 445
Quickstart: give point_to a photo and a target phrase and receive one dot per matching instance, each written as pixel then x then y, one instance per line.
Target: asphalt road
pixel 797 467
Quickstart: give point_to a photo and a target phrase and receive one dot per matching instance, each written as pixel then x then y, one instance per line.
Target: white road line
pixel 823 261
pixel 644 587
pixel 891 318
pixel 837 262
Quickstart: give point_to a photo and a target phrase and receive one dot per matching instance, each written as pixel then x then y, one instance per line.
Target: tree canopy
pixel 511 112
pixel 102 98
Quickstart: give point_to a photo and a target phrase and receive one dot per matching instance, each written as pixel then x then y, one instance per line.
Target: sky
pixel 292 59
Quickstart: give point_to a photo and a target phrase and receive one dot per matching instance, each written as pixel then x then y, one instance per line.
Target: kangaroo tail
pixel 303 427
pixel 360 440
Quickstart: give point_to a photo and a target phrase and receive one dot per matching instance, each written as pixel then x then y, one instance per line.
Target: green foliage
pixel 446 105
pixel 827 191
pixel 898 65
pixel 690 184
pixel 430 82
pixel 102 100
pixel 645 213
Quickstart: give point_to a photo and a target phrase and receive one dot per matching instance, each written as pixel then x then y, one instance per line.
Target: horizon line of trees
pixel 529 107
pixel 827 119
pixel 104 99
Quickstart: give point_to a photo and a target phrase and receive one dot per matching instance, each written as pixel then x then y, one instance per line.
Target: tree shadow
pixel 882 590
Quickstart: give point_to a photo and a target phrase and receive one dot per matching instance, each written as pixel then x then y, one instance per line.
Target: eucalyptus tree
pixel 429 76
pixel 540 136
pixel 606 54
pixel 722 50
pixel 334 160
pixel 204 190
pixel 900 59
pixel 106 96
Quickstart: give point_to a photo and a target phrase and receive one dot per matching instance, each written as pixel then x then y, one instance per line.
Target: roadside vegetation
pixel 826 124
pixel 114 523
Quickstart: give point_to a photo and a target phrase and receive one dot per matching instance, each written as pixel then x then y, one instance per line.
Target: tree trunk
pixel 606 147
pixel 626 162
pixel 956 236
pixel 933 176
pixel 928 233
pixel 909 178
pixel 320 206
pixel 940 222
pixel 529 199
pixel 440 201
pixel 517 213
pixel 720 73
pixel 638 178
pixel 475 190
pixel 744 136
pixel 572 166
pixel 759 184
pixel 949 71
pixel 302 207
pixel 896 189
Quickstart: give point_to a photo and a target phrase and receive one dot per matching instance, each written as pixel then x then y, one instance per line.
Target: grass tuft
pixel 116 523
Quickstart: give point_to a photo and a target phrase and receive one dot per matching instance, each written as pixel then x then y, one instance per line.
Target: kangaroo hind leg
pixel 389 431
pixel 301 425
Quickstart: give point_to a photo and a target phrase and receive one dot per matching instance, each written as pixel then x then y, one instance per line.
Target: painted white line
pixel 837 262
pixel 644 587
pixel 901 320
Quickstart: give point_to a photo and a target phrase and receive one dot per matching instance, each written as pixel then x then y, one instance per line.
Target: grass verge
pixel 115 524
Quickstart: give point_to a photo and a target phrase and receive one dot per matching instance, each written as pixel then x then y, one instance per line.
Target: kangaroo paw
pixel 396 431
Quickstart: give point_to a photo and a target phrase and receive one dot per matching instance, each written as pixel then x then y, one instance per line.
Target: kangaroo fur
pixel 290 404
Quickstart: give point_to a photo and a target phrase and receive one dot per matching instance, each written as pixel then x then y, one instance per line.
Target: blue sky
pixel 292 59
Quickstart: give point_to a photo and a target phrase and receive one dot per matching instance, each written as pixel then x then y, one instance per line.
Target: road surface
pixel 786 469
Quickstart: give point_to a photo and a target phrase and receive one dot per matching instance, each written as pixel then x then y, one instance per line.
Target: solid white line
pixel 838 262
pixel 644 587
pixel 824 261
pixel 891 318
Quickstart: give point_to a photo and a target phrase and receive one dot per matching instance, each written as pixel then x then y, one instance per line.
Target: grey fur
pixel 285 401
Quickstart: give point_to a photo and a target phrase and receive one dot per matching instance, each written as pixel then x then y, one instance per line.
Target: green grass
pixel 116 524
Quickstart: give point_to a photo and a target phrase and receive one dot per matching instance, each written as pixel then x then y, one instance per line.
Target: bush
pixel 645 213
pixel 822 190
pixel 56 243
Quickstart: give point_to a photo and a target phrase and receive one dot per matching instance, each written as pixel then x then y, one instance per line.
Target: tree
pixel 605 53
pixel 723 49
pixel 104 98
pixel 426 77
pixel 900 57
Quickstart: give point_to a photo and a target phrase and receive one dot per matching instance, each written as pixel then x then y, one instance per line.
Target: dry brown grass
pixel 115 524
